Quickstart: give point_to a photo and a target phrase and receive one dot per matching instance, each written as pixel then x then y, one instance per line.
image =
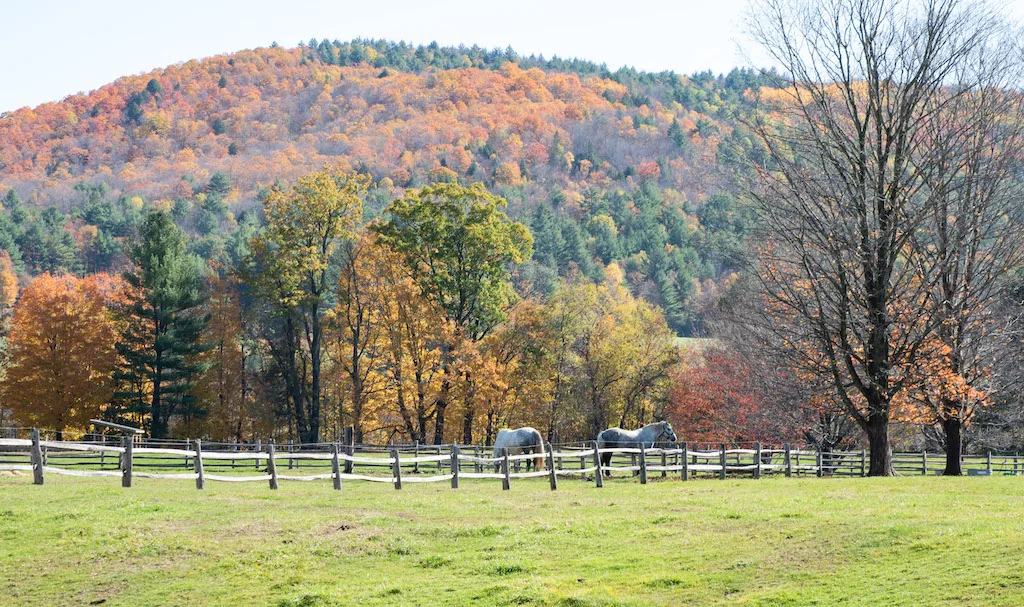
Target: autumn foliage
pixel 61 352
pixel 272 114
pixel 717 395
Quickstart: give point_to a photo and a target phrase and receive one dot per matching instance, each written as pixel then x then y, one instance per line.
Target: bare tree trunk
pixel 421 407
pixel 877 429
pixel 469 415
pixel 440 406
pixel 444 394
pixel 313 433
pixel 954 446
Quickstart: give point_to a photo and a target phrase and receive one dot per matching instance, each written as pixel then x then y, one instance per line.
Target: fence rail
pixel 397 464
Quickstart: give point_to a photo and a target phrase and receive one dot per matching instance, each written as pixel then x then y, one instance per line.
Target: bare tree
pixel 851 185
pixel 973 236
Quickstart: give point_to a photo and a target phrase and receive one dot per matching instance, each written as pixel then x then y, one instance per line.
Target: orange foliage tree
pixel 62 353
pixel 221 390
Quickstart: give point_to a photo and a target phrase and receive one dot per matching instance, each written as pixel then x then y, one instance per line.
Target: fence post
pixel 416 464
pixel 757 460
pixel 188 445
pixel 598 474
pixel 787 459
pixel 197 465
pixel 259 449
pixel 455 466
pixel 686 461
pixel 396 468
pixel 272 464
pixel 126 470
pixel 924 462
pixel 103 454
pixel 476 457
pixel 350 448
pixel 988 462
pixel 721 460
pixel 664 463
pixel 37 458
pixel 643 464
pixel 863 462
pixel 817 458
pixel 506 480
pixel 552 473
pixel 291 447
pixel 335 467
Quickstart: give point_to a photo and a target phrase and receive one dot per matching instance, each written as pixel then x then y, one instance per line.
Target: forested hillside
pixel 602 166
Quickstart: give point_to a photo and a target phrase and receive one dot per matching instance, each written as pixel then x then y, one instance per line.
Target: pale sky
pixel 51 48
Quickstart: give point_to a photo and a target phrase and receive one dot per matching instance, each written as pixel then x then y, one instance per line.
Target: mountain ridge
pixel 629 157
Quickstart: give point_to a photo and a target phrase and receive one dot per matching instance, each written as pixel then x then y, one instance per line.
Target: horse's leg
pixel 606 460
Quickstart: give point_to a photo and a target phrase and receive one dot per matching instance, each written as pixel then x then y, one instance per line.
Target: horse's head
pixel 667 432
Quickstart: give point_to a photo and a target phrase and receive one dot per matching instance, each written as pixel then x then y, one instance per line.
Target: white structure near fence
pixel 132 458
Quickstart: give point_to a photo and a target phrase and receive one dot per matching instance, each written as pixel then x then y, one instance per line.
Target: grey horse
pixel 613 438
pixel 518 441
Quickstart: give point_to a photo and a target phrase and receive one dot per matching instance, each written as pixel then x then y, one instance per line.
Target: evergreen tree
pixel 220 184
pixel 60 254
pixel 46 246
pixel 12 204
pixel 575 249
pixel 606 242
pixel 548 244
pixel 671 302
pixel 10 230
pixel 162 342
pixel 679 136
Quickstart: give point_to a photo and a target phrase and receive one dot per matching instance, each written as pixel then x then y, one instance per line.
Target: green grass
pixel 774 542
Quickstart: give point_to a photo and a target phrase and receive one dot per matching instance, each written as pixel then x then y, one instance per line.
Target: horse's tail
pixel 538 461
pixel 604 458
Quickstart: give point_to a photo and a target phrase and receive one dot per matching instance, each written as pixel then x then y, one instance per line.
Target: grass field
pixel 773 542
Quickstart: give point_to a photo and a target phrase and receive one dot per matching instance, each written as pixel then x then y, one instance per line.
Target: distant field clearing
pixel 695 343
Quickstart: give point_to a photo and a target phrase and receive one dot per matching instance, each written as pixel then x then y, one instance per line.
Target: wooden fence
pixel 204 462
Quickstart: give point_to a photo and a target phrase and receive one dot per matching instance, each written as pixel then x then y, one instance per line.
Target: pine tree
pixel 679 136
pixel 547 237
pixel 671 302
pixel 575 249
pixel 12 204
pixel 162 341
pixel 60 255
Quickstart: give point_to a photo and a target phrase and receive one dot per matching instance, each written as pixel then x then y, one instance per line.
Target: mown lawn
pixel 901 541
